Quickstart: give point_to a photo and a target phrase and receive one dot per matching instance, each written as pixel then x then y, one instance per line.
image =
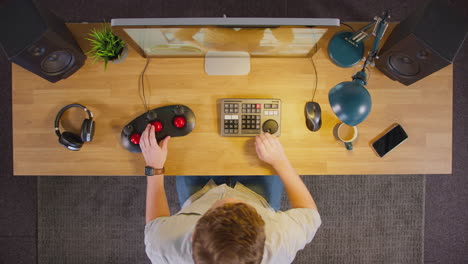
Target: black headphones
pixel 72 141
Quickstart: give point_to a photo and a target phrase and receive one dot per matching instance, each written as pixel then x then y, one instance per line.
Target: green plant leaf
pixel 105 45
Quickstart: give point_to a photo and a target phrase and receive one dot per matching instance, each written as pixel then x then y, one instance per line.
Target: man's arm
pixel 156 201
pixel 155 156
pixel 270 150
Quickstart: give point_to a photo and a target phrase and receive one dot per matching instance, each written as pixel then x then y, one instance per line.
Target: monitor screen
pixel 195 37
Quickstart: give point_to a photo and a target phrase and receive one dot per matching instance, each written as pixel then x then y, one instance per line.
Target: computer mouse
pixel 313 116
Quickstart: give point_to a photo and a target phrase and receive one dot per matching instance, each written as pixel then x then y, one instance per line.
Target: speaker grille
pixel 403 64
pixel 57 62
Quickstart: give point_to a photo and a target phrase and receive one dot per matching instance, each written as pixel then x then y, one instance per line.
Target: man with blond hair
pixel 228 219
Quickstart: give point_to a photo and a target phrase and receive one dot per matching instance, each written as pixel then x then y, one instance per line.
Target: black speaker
pixel 37 40
pixel 425 42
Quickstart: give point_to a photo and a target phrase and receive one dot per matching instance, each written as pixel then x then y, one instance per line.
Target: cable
pixel 347 25
pixel 315 70
pixel 141 86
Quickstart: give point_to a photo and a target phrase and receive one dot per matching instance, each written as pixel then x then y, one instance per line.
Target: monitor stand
pixel 227 63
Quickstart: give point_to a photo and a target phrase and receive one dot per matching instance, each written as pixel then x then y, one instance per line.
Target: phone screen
pixel 390 140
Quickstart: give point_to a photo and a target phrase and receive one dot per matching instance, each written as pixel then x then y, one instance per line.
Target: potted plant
pixel 106 46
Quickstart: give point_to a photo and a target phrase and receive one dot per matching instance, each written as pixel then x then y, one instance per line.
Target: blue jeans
pixel 269 187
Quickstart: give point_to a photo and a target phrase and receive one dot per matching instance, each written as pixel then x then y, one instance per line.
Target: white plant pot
pixel 123 55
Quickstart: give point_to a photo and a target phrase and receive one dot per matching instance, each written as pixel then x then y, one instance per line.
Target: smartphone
pixel 394 136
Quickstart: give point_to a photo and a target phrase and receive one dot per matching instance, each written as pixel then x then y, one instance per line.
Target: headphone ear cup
pixel 71 141
pixel 87 130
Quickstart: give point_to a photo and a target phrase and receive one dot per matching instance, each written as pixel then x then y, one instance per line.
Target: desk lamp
pixel 350 101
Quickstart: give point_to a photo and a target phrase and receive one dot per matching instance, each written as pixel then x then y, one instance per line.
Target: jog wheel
pixel 270 126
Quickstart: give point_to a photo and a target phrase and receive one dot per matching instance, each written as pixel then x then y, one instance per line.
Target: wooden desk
pixel 424 110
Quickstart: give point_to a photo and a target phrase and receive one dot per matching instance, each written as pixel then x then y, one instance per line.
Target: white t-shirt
pixel 168 239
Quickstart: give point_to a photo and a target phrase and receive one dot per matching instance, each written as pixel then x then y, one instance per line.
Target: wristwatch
pixel 150 171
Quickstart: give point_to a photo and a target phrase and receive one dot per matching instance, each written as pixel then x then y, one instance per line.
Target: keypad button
pixel 248 120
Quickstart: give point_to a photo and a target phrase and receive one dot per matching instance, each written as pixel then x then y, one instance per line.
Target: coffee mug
pixel 347 134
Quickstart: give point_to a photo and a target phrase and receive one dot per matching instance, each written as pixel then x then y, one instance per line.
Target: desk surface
pixel 424 109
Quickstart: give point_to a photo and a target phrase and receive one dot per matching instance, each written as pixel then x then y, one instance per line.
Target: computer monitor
pixel 226 43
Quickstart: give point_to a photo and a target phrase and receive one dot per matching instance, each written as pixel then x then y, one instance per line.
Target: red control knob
pixel 157 126
pixel 135 138
pixel 179 121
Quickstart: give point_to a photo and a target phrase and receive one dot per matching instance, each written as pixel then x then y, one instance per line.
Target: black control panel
pixel 172 120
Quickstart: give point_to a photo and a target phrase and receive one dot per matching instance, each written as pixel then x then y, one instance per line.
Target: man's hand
pixel 155 155
pixel 270 150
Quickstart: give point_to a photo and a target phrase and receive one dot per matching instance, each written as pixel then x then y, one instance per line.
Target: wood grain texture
pixel 423 109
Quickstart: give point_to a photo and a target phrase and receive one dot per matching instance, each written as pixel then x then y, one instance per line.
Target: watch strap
pixel 150 171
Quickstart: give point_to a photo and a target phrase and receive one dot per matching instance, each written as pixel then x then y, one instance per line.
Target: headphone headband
pixel 65 108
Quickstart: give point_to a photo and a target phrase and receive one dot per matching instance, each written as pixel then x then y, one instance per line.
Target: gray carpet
pixel 366 219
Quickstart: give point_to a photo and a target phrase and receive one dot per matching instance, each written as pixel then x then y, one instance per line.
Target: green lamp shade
pixel 344 53
pixel 350 101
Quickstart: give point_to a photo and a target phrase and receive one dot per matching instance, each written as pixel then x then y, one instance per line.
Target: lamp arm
pixel 379 31
pixel 362 34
